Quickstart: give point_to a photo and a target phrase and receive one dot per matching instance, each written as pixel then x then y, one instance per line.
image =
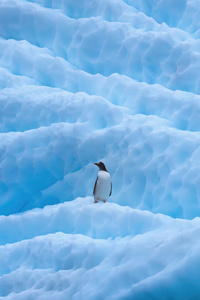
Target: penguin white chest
pixel 103 186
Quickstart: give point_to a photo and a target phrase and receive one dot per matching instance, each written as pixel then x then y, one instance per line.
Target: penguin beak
pixel 96 164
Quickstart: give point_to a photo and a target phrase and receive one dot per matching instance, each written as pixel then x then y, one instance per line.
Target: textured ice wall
pixel 78 250
pixel 85 81
pixel 110 80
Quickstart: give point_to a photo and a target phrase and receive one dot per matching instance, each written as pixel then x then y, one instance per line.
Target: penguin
pixel 103 185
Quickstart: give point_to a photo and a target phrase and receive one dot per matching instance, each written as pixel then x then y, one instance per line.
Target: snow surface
pixel 105 80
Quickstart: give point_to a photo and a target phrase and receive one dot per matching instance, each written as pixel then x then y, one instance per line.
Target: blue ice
pixel 88 81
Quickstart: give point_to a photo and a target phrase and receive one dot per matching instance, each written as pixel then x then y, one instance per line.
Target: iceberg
pixel 87 81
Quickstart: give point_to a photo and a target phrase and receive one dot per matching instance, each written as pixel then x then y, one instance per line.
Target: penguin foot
pixel 104 201
pixel 95 201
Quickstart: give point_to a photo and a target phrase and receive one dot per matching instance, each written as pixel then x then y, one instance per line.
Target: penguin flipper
pixel 110 189
pixel 95 186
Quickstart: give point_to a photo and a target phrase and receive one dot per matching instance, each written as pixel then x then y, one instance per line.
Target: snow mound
pixel 87 81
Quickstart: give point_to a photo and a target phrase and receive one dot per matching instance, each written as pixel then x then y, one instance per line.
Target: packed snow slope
pixel 84 81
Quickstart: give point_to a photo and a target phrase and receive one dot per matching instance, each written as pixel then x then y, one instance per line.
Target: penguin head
pixel 101 166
